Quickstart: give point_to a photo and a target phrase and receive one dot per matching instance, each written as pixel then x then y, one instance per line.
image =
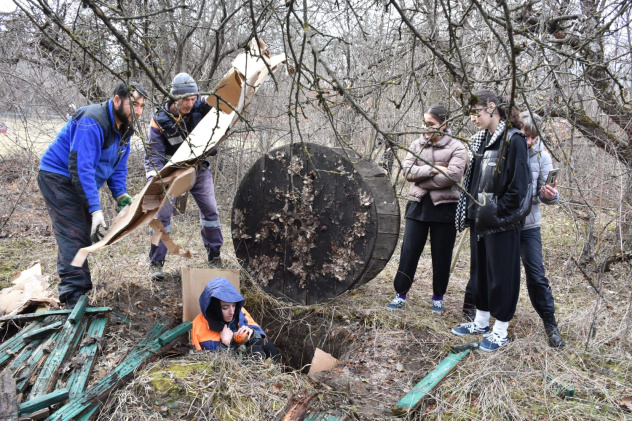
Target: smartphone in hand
pixel 552 177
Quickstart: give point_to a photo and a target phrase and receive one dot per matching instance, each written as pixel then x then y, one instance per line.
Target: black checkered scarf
pixel 472 147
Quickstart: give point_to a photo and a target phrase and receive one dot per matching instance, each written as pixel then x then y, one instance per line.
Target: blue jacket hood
pixel 219 289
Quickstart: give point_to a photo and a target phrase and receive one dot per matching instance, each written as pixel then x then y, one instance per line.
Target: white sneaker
pixel 396 304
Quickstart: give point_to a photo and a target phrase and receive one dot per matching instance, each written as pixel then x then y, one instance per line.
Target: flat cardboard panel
pixel 193 282
pixel 322 361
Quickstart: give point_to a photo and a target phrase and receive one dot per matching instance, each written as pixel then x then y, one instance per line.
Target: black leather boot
pixel 552 332
pixel 155 271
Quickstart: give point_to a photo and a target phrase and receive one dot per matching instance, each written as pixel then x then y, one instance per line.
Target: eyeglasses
pixel 476 111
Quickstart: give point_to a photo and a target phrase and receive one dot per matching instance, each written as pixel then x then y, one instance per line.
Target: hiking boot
pixel 492 342
pixel 552 332
pixel 469 314
pixel 155 271
pixel 214 259
pixel 470 329
pixel 72 299
pixel 437 306
pixel 396 304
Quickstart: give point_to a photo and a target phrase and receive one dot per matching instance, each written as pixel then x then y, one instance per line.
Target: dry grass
pixel 383 354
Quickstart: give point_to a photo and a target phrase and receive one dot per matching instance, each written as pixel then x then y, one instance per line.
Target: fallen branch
pixel 588 278
pixel 616 258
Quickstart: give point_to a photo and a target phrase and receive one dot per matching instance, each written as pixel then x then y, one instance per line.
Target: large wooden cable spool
pixel 311 222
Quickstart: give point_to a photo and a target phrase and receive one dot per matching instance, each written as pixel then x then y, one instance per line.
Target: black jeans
pixel 71 223
pixel 540 292
pixel 468 299
pixel 537 283
pixel 498 273
pixel 442 237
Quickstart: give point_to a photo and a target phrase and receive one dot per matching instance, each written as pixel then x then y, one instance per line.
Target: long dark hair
pixel 438 112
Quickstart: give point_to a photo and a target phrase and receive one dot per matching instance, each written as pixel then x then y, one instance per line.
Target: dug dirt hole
pixel 297 336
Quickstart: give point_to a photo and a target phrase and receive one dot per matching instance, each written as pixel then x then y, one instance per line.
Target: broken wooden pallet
pixel 43 314
pixel 34 355
pixel 87 353
pixel 14 345
pixel 136 357
pixel 64 345
pixel 48 373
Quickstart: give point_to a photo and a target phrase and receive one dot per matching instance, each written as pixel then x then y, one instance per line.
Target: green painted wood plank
pixel 25 355
pixel 14 345
pixel 80 308
pixel 6 344
pixel 42 352
pixel 48 374
pixel 42 402
pixel 41 315
pixel 24 372
pixel 135 358
pixel 417 393
pixel 43 331
pixel 169 336
pixel 79 378
pixel 75 408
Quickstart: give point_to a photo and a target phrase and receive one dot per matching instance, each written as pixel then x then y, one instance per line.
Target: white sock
pixel 500 328
pixel 482 319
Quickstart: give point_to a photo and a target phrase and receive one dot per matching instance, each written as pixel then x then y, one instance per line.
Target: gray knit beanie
pixel 183 84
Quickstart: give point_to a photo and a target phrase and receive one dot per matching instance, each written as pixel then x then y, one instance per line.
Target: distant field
pixel 33 135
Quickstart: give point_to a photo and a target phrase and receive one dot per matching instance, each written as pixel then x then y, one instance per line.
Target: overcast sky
pixel 6 6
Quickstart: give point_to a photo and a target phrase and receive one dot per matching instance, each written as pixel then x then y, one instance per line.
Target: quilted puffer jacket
pixel 447 152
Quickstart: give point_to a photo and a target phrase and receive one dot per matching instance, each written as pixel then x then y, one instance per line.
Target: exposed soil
pixel 382 354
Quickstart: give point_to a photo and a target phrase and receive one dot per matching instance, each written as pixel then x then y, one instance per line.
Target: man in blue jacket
pixel 170 126
pixel 91 148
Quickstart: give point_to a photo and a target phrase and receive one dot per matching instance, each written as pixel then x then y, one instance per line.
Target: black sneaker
pixel 155 271
pixel 214 259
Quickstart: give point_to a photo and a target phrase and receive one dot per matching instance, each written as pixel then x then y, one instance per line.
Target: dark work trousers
pixel 498 273
pixel 468 299
pixel 537 283
pixel 263 348
pixel 442 236
pixel 203 191
pixel 71 224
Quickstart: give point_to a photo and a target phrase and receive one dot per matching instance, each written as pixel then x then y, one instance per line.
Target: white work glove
pixel 98 222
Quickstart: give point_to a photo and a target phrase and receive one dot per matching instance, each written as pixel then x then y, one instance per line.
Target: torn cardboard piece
pixel 235 91
pixel 193 282
pixel 30 287
pixel 160 234
pixel 322 361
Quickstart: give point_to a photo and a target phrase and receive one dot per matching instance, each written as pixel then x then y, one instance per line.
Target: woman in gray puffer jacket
pixel 434 166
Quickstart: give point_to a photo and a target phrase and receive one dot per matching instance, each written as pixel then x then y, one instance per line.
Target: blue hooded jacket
pixel 90 151
pixel 207 326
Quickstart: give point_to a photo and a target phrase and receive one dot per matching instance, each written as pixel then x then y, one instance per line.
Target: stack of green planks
pixel 32 383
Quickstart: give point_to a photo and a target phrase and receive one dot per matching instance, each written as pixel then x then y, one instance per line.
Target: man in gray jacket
pixel 530 237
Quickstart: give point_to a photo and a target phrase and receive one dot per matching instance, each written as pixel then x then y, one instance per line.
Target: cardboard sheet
pixel 193 282
pixel 237 89
pixel 322 361
pixel 31 287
